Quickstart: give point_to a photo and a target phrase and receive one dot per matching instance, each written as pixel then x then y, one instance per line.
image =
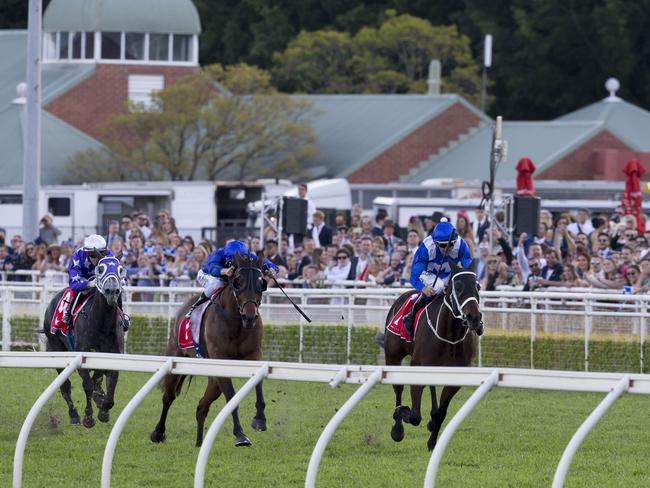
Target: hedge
pixel 327 344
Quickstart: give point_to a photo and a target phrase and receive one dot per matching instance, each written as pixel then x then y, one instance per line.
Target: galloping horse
pixel 444 337
pixel 231 328
pixel 97 327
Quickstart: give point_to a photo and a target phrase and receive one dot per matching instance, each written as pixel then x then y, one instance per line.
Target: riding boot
pixel 126 321
pixel 409 317
pixel 202 299
pixel 67 315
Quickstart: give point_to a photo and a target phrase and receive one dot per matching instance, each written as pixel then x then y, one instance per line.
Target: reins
pixel 248 286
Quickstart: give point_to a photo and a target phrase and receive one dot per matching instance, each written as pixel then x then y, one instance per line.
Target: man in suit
pixel 480 225
pixel 389 236
pixel 271 252
pixel 320 233
pixel 551 273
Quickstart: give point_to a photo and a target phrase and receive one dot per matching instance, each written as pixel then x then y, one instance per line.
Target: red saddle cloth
pixel 57 318
pixel 188 331
pixel 396 325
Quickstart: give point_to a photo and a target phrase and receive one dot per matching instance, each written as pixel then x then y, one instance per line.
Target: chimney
pixel 434 77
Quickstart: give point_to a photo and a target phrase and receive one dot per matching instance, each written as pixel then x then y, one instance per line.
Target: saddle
pixel 57 323
pixel 189 332
pixel 396 325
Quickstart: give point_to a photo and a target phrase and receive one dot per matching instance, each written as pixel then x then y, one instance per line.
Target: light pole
pixel 487 63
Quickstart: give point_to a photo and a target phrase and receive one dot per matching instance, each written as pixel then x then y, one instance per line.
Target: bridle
pixel 104 274
pixel 248 285
pixel 456 309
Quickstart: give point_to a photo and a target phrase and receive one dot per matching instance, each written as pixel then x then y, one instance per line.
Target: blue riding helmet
pixel 442 232
pixel 233 247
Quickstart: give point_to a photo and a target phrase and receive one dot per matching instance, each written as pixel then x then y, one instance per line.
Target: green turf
pixel 514 438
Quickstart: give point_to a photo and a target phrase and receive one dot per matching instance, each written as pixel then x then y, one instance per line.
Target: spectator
pixel 604 248
pixel 582 263
pixel 582 225
pixel 188 243
pixel 127 227
pixel 23 259
pixel 271 252
pixel 643 283
pixel 3 237
pixel 544 236
pixel 415 224
pixel 632 275
pixel 47 232
pixel 393 273
pixel 311 277
pixel 569 278
pixel 144 225
pixel 390 240
pixel 343 269
pixel 52 260
pixel 113 232
pixel 378 229
pixel 534 278
pixel 66 254
pixel 311 206
pixel 40 251
pixel 552 272
pixel 195 261
pixel 364 259
pixel 495 274
pixel 610 279
pixel 413 241
pixel 366 226
pixel 464 228
pixel 16 244
pixel 480 224
pixel 4 256
pixel 321 234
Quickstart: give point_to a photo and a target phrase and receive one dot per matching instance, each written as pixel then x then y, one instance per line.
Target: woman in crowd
pixel 52 260
pixel 495 274
pixel 464 228
pixel 582 263
pixel 570 278
pixel 610 279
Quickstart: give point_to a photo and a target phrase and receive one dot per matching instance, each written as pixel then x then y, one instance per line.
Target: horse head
pixel 464 297
pixel 109 274
pixel 248 284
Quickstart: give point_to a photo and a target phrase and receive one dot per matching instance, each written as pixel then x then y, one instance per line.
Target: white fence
pixel 366 376
pixel 554 329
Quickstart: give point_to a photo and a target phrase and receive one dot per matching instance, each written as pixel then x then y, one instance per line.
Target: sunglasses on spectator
pixel 341 257
pixel 631 273
pixel 595 262
pixel 603 241
pixel 534 265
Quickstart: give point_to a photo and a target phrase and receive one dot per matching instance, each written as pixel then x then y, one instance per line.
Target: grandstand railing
pixel 367 376
pixel 583 317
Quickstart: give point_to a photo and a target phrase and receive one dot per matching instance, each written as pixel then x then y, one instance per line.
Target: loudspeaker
pixel 526 215
pixel 294 215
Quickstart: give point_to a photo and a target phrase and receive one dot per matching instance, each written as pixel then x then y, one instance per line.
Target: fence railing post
pixel 533 330
pixel 588 312
pixel 642 324
pixel 6 320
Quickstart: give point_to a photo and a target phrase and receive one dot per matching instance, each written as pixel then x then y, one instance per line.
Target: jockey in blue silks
pixel 219 263
pixel 431 260
pixel 81 271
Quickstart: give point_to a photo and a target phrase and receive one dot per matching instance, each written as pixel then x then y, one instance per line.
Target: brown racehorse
pixel 445 336
pixel 231 328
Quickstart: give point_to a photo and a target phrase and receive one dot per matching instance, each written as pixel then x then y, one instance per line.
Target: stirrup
pixel 67 318
pixel 189 312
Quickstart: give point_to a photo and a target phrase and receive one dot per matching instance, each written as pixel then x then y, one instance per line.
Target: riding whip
pixel 290 300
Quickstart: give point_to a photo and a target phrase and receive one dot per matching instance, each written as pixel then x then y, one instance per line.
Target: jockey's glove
pixel 227 271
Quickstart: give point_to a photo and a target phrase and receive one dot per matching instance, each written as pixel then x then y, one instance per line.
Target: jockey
pixel 219 263
pixel 431 262
pixel 81 270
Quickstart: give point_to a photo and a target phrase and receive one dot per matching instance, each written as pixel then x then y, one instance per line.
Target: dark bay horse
pixel 97 327
pixel 231 328
pixel 445 336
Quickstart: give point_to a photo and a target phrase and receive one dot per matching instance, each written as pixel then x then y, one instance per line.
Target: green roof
pixel 353 129
pixel 626 121
pixel 543 142
pixel 159 16
pixel 60 141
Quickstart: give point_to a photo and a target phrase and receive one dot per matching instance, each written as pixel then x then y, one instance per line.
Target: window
pixel 76 44
pixel 59 206
pixel 9 199
pixel 49 45
pixel 134 46
pixel 111 42
pixel 63 45
pixel 90 45
pixel 141 86
pixel 159 47
pixel 182 47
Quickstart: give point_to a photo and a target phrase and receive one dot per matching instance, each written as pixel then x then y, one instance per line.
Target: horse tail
pixel 180 385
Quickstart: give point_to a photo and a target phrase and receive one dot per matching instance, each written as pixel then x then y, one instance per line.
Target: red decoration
pixel 632 197
pixel 525 169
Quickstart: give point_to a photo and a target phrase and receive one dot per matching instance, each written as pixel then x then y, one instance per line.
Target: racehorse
pixel 231 328
pixel 445 336
pixel 97 327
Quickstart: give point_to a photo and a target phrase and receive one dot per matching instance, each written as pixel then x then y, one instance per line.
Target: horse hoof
pixel 397 432
pixel 89 422
pixel 431 444
pixel 242 440
pixel 103 416
pixel 157 436
pixel 259 425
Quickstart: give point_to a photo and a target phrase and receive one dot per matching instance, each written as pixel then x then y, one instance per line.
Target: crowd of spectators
pixel 573 249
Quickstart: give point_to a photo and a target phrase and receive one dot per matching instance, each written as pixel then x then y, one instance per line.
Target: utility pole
pixel 32 136
pixel 487 63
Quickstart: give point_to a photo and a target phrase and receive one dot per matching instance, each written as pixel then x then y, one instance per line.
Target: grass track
pixel 514 438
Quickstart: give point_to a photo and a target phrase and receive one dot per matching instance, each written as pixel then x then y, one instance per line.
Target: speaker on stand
pixel 294 215
pixel 526 215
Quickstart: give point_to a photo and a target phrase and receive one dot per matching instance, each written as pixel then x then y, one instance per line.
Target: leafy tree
pixel 218 122
pixel 392 58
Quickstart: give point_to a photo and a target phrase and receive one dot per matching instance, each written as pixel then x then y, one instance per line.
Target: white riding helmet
pixel 95 243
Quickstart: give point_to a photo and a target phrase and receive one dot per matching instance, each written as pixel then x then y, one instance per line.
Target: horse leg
pixel 170 385
pixel 66 393
pixel 438 416
pixel 229 391
pixel 109 397
pixel 259 421
pixel 397 430
pixel 88 421
pixel 212 392
pixel 98 390
pixel 415 416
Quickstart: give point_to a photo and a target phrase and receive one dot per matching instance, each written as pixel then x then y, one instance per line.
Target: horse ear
pixel 260 258
pixel 237 258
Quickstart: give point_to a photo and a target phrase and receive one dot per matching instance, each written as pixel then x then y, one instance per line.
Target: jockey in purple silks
pixel 82 273
pixel 431 260
pixel 219 263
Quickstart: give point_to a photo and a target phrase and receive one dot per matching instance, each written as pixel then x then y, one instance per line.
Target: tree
pixel 218 122
pixel 392 58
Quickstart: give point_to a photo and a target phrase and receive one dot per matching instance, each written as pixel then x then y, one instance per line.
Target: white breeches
pixel 209 283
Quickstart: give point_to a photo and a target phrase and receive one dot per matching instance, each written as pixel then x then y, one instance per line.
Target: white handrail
pixel 109 451
pixel 75 363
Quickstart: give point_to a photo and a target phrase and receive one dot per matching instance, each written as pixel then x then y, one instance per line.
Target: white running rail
pixel 368 376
